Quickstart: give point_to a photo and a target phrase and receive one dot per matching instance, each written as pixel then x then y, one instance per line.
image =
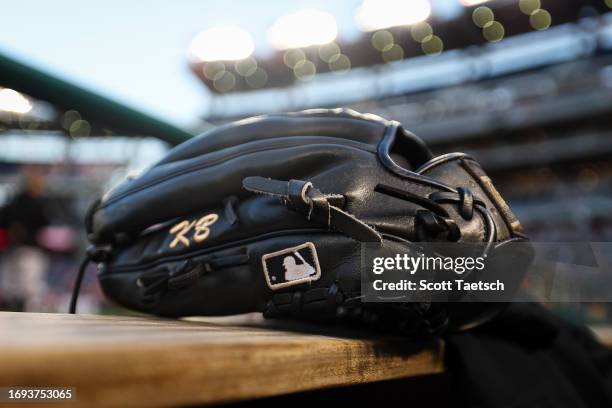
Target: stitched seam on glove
pixel 279 146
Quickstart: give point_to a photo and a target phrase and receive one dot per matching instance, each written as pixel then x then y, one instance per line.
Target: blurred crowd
pixel 38 256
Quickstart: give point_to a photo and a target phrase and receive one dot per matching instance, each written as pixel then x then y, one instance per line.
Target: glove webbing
pixel 436 220
pixel 302 197
pixel 467 205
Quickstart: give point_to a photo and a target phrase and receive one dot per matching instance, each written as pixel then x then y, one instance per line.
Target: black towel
pixel 528 357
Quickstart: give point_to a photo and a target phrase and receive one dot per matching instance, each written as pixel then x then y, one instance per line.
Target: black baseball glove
pixel 269 214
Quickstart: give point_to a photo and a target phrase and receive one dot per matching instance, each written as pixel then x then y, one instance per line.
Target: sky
pixel 136 51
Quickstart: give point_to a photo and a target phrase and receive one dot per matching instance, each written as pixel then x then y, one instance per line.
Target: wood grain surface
pixel 603 334
pixel 137 361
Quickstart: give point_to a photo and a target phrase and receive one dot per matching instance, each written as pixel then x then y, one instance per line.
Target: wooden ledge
pixel 134 361
pixel 603 333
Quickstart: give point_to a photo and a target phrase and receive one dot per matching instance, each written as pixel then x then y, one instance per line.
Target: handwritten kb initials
pixel 200 227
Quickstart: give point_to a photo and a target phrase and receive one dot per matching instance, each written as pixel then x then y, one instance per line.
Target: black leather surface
pixel 340 152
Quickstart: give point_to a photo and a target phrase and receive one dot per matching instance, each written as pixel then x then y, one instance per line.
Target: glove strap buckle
pixel 303 197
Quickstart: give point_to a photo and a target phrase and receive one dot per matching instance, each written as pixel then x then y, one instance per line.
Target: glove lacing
pixel 77 285
pixel 93 254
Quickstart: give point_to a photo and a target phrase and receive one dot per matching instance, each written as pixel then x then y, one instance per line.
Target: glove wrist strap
pixel 303 197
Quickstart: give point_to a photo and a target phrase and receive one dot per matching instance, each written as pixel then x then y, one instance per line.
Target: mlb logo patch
pixel 291 266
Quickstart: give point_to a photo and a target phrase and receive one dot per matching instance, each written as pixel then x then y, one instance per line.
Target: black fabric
pixel 528 357
pixel 23 217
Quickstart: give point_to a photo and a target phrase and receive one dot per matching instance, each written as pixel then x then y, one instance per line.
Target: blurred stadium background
pixel 524 86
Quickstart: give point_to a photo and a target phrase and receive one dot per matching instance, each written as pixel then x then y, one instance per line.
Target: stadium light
pixel 470 3
pixel 222 43
pixel 13 101
pixel 378 14
pixel 303 29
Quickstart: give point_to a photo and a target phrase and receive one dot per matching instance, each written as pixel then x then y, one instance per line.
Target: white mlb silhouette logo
pixel 291 266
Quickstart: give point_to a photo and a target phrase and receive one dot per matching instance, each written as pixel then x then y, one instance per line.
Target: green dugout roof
pixel 104 111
